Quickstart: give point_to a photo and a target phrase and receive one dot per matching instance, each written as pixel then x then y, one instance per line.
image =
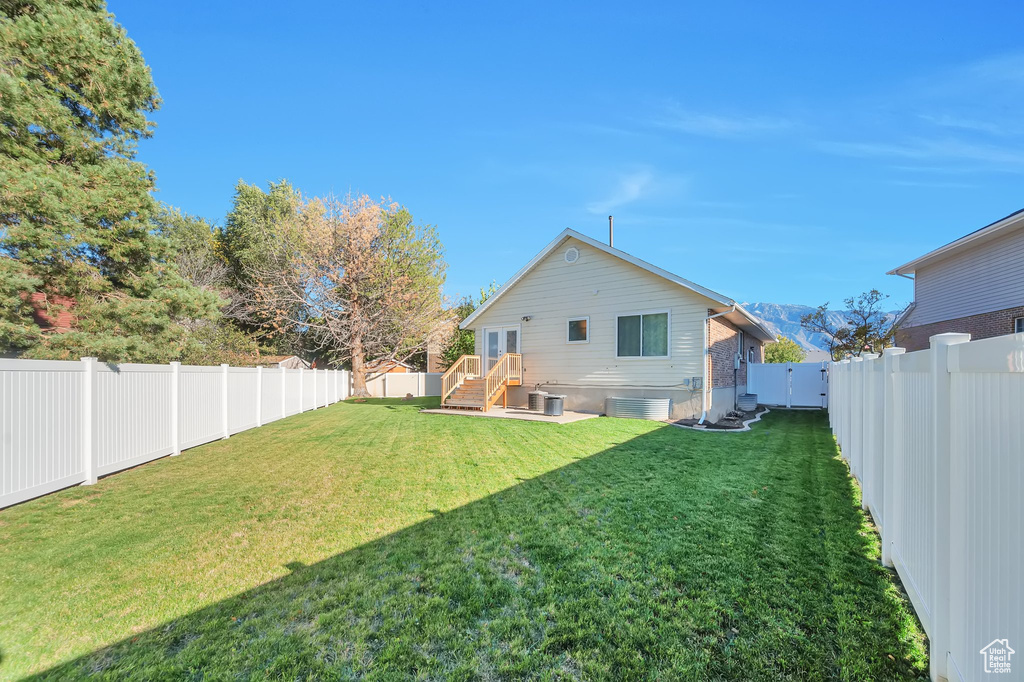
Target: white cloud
pixel 918 148
pixel 717 125
pixel 629 188
pixel 948 121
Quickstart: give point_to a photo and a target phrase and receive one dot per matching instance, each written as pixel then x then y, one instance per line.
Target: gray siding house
pixel 974 285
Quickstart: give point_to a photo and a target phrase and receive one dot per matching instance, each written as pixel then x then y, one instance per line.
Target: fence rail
pixel 66 423
pixel 936 439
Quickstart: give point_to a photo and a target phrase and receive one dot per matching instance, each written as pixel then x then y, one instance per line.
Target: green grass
pixel 368 540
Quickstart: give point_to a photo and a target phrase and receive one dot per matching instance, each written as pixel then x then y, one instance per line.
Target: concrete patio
pixel 520 413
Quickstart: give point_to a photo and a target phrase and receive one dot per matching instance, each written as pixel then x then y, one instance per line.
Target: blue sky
pixel 783 152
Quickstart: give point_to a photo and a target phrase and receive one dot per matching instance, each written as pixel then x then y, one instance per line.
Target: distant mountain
pixel 784 318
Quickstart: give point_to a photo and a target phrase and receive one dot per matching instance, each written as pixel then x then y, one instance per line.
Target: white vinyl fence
pixel 66 423
pixel 789 384
pixel 396 385
pixel 936 439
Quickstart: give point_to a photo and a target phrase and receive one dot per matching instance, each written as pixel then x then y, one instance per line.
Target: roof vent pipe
pixel 610 235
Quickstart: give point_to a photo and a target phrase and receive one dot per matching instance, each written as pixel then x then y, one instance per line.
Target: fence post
pixel 175 406
pixel 259 396
pixel 891 453
pixel 312 378
pixel 224 399
pixel 941 437
pixel 421 384
pixel 327 387
pixel 869 413
pixel 789 384
pixel 337 395
pixel 88 419
pixel 384 382
pixel 856 416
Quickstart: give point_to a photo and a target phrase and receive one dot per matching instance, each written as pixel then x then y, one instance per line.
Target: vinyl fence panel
pixel 65 423
pixel 130 425
pixel 41 413
pixel 936 440
pixel 399 385
pixel 243 411
pixel 271 395
pixel 200 407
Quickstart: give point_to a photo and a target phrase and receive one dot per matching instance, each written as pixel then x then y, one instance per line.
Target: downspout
pixel 707 359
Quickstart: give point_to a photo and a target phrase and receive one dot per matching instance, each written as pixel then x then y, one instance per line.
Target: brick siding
pixel 983 326
pixel 723 344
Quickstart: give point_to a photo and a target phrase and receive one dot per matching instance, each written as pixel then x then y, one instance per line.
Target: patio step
pixel 463 403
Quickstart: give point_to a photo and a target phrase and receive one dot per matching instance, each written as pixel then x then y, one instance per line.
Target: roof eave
pixel 714 296
pixel 990 231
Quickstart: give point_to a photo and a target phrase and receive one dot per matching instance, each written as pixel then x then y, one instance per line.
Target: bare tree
pixel 359 278
pixel 865 325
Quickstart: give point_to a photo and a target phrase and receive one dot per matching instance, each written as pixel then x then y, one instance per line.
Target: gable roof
pixel 738 315
pixel 1011 222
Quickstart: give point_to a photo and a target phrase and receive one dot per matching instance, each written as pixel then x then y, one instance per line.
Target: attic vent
pixel 572 255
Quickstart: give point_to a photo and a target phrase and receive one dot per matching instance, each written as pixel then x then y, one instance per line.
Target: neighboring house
pixel 593 322
pixel 378 367
pixel 286 361
pixel 973 285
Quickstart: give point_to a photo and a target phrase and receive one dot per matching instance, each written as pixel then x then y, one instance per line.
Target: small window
pixel 644 335
pixel 1018 325
pixel 579 330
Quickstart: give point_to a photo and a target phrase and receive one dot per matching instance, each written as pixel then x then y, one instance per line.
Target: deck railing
pixel 508 368
pixel 466 367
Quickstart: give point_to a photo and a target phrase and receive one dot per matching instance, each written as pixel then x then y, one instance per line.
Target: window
pixel 578 331
pixel 1018 325
pixel 643 335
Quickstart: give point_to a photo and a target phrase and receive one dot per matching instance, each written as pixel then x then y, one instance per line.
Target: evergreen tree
pixel 75 210
pixel 250 243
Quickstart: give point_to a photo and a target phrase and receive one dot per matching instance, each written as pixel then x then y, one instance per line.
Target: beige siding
pixel 598 286
pixel 982 279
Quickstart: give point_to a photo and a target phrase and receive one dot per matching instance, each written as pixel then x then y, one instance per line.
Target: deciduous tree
pixel 866 325
pixel 784 350
pixel 359 277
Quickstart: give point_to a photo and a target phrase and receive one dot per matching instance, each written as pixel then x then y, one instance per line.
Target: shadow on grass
pixel 674 555
pixel 425 403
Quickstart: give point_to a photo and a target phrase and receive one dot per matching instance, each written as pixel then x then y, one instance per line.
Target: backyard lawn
pixel 371 541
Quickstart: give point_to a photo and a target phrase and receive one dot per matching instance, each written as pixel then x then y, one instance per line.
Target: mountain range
pixel 784 318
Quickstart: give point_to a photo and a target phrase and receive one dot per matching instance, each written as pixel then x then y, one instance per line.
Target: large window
pixel 579 330
pixel 642 335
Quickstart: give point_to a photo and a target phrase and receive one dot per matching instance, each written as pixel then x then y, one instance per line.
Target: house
pixel 286 361
pixel 378 367
pixel 590 321
pixel 974 284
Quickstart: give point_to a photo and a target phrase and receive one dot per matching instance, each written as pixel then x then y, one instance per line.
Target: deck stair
pixel 463 386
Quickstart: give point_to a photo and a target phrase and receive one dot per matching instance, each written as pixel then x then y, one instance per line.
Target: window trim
pixel 1018 325
pixel 570 320
pixel 641 313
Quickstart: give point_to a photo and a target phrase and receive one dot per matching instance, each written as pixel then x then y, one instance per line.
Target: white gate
pixel 789 384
